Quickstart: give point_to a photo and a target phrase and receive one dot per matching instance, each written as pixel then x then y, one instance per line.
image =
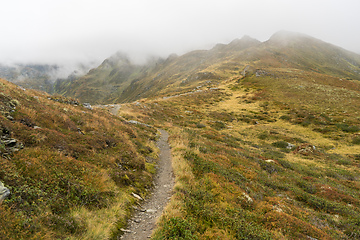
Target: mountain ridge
pixel 182 73
pixel 264 140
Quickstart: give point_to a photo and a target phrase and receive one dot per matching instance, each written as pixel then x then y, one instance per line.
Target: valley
pixel 264 140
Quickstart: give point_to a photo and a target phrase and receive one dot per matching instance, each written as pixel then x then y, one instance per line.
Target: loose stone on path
pixel 143 222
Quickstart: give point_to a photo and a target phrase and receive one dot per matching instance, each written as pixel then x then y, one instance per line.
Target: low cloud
pixel 71 32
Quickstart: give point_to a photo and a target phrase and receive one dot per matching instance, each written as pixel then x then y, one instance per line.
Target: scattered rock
pixel 248 198
pixel 248 71
pixel 137 196
pixel 88 106
pixel 260 72
pixel 154 205
pixel 7 106
pixel 10 117
pixel 80 131
pixel 311 238
pixel 27 122
pixel 151 211
pixel 4 192
pixel 61 99
pixel 278 208
pixel 305 149
pixel 11 142
pixel 140 123
pixel 290 146
pixel 8 146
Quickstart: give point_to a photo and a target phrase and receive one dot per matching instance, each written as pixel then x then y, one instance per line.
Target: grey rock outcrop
pixel 8 146
pixel 4 192
pixel 88 106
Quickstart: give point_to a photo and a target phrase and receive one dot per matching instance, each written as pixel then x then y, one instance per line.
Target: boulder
pixel 4 192
pixel 305 149
pixel 88 106
pixel 9 146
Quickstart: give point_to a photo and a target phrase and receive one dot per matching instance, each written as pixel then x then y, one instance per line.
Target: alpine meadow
pixel 264 138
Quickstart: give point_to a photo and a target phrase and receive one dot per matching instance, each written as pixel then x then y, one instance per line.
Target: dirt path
pixel 143 222
pixel 115 109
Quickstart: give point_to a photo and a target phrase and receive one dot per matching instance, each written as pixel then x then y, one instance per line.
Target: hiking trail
pixel 142 224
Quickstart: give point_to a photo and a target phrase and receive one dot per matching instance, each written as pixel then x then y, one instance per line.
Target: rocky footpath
pixel 142 224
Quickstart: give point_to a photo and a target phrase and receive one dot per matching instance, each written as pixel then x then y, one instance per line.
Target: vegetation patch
pixel 58 157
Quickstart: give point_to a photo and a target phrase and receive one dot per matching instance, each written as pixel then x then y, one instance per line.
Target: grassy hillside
pixel 117 80
pixel 265 142
pixel 70 170
pixel 272 155
pixel 101 84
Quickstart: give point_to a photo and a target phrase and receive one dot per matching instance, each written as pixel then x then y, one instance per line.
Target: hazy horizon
pixel 68 32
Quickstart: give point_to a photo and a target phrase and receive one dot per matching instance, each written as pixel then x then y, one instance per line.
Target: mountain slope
pixel 113 76
pixel 264 138
pixel 33 76
pixel 210 67
pixel 133 82
pixel 70 170
pixel 307 53
pixel 272 155
pixel 271 152
pixel 41 76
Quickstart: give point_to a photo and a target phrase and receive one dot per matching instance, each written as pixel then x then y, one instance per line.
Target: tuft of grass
pixel 227 177
pixel 74 170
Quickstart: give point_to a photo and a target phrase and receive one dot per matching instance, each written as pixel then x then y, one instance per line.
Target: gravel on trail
pixel 142 224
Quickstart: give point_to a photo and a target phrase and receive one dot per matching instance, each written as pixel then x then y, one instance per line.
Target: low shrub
pixel 356 140
pixel 348 128
pixel 177 228
pixel 280 144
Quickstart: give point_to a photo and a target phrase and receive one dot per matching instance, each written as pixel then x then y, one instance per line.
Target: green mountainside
pixel 270 149
pixel 68 167
pixel 118 80
pixel 265 144
pixel 272 152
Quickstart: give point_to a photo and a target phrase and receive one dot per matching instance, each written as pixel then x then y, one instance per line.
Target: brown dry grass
pixel 284 191
pixel 77 170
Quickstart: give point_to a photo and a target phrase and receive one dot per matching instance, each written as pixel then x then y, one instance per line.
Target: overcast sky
pixel 64 31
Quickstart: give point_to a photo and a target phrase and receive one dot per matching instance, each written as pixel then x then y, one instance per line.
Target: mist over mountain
pixel 42 76
pixel 119 79
pixel 264 140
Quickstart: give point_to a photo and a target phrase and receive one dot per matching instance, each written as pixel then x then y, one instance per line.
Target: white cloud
pixel 77 30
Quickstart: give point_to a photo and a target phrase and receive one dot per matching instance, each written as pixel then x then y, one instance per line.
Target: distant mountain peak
pixel 288 34
pixel 248 38
pixel 118 59
pixel 286 37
